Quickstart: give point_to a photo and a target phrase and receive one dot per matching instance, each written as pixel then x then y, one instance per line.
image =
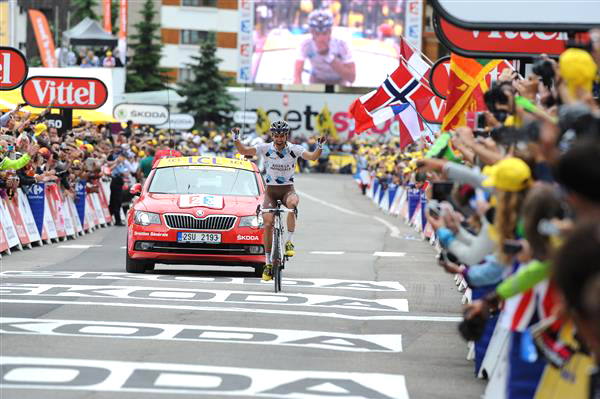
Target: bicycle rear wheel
pixel 277 259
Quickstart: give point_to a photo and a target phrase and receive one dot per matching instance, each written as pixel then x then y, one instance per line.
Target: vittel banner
pixel 64 92
pixel 13 68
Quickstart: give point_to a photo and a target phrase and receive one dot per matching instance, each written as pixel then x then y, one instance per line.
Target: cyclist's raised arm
pixel 241 148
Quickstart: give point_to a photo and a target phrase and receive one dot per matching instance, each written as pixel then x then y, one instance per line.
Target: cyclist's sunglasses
pixel 278 132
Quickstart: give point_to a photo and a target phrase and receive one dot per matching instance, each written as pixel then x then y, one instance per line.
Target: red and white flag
pixel 375 107
pixel 415 63
pixel 410 126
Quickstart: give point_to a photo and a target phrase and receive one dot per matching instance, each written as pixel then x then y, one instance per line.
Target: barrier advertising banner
pixel 10 231
pixel 43 37
pixel 28 219
pixel 13 211
pixel 80 199
pixel 55 205
pixel 35 196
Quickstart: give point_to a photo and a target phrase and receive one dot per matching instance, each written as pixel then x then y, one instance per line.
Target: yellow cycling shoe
pixel 289 249
pixel 267 273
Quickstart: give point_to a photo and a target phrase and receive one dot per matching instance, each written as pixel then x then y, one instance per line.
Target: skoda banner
pixel 144 114
pixel 178 122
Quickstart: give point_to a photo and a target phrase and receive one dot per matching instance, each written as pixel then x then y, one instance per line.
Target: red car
pixel 197 210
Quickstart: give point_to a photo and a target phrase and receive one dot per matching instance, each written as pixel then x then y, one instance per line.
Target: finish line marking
pixel 167 378
pixel 327 252
pixel 389 254
pixel 448 319
pixel 78 246
pixel 204 333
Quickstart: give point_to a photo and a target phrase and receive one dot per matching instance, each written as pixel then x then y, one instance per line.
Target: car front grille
pixel 211 222
pixel 198 248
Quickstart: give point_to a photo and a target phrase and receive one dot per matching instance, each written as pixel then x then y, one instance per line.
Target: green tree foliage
pixel 206 93
pixel 82 9
pixel 114 16
pixel 143 72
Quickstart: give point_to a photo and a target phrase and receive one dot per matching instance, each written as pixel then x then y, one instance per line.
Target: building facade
pixel 185 23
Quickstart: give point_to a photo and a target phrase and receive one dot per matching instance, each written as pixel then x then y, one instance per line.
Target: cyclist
pixel 330 57
pixel 280 158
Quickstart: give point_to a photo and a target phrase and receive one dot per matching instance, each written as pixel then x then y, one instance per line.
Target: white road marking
pixel 389 254
pixel 394 231
pixel 200 296
pixel 123 247
pixel 326 252
pixel 448 318
pixel 167 378
pixel 361 285
pixel 78 246
pixel 205 333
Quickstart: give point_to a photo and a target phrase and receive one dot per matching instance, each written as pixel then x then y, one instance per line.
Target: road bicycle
pixel 278 256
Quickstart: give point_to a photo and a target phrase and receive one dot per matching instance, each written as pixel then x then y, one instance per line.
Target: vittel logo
pixel 41 91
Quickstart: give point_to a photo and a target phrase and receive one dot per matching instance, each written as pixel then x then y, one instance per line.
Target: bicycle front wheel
pixel 277 259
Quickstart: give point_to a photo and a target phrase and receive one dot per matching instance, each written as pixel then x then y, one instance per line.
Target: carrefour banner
pixel 36 196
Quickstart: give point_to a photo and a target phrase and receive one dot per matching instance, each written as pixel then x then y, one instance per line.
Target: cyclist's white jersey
pixel 279 166
pixel 321 64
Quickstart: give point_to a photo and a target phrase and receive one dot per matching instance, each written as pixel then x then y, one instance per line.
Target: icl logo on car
pixel 13 68
pixel 64 92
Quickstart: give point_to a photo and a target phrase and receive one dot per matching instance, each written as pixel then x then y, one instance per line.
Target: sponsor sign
pixel 413 23
pixel 6 223
pixel 123 19
pixel 193 200
pixel 315 283
pixel 145 114
pixel 178 122
pixel 43 37
pixel 106 8
pixel 438 76
pixel 197 297
pixel 64 92
pixel 245 117
pixel 13 68
pixel 205 161
pixel 554 16
pixel 244 41
pixel 164 378
pixel 247 238
pixel 205 333
pixel 500 44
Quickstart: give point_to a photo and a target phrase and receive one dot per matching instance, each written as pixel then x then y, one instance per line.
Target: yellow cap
pixel 78 142
pixel 89 147
pixel 510 174
pixel 578 69
pixel 141 154
pixel 154 142
pixel 161 137
pixel 194 150
pixel 40 128
pixel 194 131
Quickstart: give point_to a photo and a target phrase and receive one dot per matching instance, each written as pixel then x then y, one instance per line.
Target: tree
pixel 114 13
pixel 143 72
pixel 82 9
pixel 206 96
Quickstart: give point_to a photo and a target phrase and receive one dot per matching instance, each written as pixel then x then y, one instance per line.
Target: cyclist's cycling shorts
pixel 274 193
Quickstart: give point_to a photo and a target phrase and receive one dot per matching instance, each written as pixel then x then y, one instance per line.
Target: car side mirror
pixel 136 189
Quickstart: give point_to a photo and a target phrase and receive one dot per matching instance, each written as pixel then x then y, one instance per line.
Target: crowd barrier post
pixel 395 207
pixel 12 206
pixel 496 386
pixel 498 342
pixel 10 232
pixel 3 243
pixel 90 212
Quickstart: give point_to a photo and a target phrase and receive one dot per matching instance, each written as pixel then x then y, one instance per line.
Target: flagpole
pixel 416 50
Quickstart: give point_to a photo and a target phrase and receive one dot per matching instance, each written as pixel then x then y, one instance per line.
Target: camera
pixel 497 96
pixel 544 69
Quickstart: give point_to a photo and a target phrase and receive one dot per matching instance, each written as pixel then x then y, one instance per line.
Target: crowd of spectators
pixel 89 57
pixel 516 209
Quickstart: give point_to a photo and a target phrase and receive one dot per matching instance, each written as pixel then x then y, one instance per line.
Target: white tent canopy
pixel 88 33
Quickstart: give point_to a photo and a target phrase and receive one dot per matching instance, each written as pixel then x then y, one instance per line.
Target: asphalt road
pixel 364 312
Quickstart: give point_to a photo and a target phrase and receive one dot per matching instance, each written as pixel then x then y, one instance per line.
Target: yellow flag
pixel 325 125
pixel 262 121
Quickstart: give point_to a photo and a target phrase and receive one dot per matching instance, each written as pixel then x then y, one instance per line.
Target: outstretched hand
pixel 236 133
pixel 322 140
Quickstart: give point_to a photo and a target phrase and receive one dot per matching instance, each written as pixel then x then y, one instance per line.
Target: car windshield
pixel 204 180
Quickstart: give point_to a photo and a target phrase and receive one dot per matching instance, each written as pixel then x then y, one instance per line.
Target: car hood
pixel 166 203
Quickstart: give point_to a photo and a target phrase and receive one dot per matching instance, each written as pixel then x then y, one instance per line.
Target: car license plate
pixel 211 238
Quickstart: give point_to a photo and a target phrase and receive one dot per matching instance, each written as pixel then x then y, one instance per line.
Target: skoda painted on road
pixel 197 210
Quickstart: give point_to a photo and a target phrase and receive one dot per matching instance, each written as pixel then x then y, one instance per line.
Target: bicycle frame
pixel 277 252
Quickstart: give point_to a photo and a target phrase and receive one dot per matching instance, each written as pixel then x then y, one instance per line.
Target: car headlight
pixel 251 221
pixel 146 218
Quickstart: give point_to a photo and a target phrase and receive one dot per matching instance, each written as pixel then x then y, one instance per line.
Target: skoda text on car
pixel 197 210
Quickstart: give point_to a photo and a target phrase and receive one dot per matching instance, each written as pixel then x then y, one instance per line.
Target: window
pixel 192 36
pixel 199 3
pixel 185 74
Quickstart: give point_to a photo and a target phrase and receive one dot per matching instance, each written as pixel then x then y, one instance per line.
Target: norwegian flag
pixel 415 63
pixel 400 87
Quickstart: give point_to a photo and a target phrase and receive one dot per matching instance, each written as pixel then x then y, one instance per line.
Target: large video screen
pixel 337 42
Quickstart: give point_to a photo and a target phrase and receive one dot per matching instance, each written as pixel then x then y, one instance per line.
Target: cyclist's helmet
pixel 280 127
pixel 320 20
